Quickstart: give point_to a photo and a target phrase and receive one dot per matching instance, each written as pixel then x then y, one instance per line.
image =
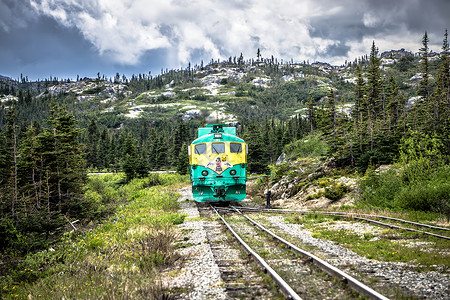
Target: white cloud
pixel 125 29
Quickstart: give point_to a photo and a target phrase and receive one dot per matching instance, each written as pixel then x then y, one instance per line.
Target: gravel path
pixel 199 276
pixel 429 285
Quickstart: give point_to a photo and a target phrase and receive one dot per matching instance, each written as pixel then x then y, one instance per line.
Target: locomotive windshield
pixel 218 148
pixel 235 148
pixel 200 149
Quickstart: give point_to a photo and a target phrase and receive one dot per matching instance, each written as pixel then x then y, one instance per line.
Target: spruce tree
pixel 92 156
pixel 129 158
pixel 441 103
pixel 374 85
pixel 424 84
pixel 255 160
pixel 64 159
pixel 393 105
pixel 183 160
pixel 332 113
pixel 311 112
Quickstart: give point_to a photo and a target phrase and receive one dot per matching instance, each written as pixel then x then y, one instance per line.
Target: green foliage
pixel 310 146
pixel 336 192
pixel 383 248
pixel 420 153
pixel 278 171
pixel 314 196
pixel 429 192
pixel 129 247
pixel 10 238
pixel 379 190
pixel 100 197
pixel 183 161
pixel 94 91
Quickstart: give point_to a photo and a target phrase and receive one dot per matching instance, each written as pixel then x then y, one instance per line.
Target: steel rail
pixel 352 282
pixel 402 228
pixel 356 217
pixel 287 291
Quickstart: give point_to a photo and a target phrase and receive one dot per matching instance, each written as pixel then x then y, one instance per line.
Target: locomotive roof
pixel 209 128
pixel 211 138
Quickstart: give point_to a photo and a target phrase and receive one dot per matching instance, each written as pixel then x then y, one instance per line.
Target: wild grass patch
pixel 391 246
pixel 387 245
pixel 119 258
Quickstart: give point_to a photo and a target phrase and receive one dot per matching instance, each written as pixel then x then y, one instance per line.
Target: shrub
pixel 379 190
pixel 310 146
pixel 336 192
pixel 10 237
pixel 94 91
pixel 428 192
pixel 278 171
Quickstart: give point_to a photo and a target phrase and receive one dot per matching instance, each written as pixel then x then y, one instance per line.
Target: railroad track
pixel 365 218
pixel 295 271
pixel 241 277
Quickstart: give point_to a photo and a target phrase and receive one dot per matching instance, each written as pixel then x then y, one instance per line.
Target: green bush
pixel 10 237
pixel 379 190
pixel 310 146
pixel 278 171
pixel 428 192
pixel 336 192
pixel 94 91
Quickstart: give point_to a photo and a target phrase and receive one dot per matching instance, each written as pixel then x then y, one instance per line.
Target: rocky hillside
pixel 220 91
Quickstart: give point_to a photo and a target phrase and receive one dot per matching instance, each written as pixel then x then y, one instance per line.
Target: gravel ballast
pixel 430 285
pixel 199 277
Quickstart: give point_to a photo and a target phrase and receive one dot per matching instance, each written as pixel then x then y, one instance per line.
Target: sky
pixel 66 38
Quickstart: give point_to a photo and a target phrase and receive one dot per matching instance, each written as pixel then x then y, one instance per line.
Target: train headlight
pixel 205 173
pixel 233 172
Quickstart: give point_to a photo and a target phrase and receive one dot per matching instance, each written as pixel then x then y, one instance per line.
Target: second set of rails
pixel 369 218
pixel 290 292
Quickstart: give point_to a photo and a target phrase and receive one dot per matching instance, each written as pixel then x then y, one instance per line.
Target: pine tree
pixel 92 156
pixel 64 159
pixel 5 173
pixel 142 165
pixel 255 159
pixel 28 171
pixel 374 85
pixel 183 160
pixel 359 94
pixel 8 165
pixel 104 150
pixel 310 105
pixel 129 157
pixel 441 101
pixel 424 84
pixel 393 105
pixel 332 113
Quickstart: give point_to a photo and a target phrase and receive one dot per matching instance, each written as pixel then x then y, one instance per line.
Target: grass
pixel 119 258
pixel 387 245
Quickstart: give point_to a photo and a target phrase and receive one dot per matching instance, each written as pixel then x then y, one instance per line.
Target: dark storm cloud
pixel 359 19
pixel 335 50
pixel 416 15
pixel 15 14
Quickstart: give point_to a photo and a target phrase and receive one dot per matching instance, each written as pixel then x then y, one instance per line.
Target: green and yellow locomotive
pixel 217 164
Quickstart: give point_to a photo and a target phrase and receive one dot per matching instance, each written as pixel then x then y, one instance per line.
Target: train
pixel 218 164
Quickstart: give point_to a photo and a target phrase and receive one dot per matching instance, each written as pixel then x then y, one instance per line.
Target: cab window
pixel 218 148
pixel 200 149
pixel 235 148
